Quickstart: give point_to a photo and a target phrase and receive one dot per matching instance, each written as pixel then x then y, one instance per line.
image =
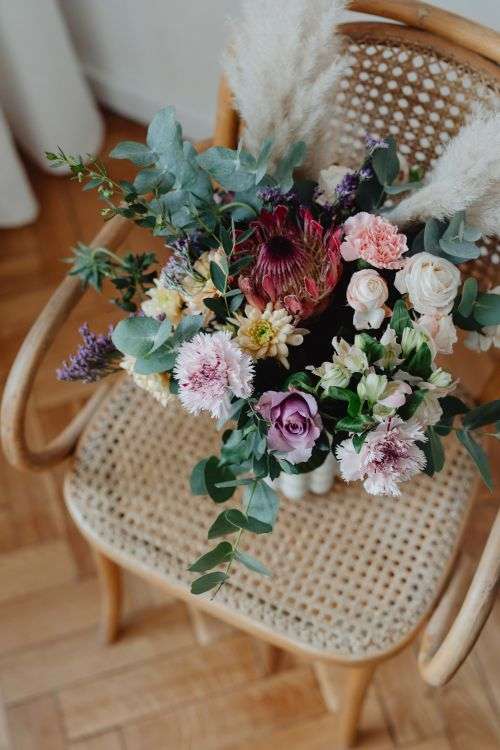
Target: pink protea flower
pixel 388 456
pixel 295 423
pixel 210 369
pixel 375 240
pixel 295 264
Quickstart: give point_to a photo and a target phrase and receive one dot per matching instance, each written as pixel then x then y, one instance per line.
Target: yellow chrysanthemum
pixel 163 301
pixel 157 383
pixel 268 333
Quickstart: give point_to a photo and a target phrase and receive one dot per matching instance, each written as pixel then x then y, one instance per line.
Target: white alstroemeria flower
pixel 392 349
pixel 332 374
pixel 353 358
pixel 371 387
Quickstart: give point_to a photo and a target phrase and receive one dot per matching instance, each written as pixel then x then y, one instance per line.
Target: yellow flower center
pixel 261 332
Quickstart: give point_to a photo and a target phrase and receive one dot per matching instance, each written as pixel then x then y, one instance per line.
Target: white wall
pixel 142 54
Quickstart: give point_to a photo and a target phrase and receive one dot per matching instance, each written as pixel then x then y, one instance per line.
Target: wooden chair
pixel 356 578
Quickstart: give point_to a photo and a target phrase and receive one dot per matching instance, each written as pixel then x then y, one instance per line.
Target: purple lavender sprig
pixel 373 143
pixel 274 196
pixel 94 359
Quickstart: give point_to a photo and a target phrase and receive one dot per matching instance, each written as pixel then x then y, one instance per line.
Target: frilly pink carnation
pixel 388 456
pixel 375 240
pixel 210 369
pixel 295 423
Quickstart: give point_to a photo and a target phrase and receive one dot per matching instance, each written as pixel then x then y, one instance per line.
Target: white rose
pixel 430 281
pixel 366 294
pixel 441 330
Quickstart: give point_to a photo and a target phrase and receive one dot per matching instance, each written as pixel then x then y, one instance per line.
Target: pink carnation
pixel 211 369
pixel 388 456
pixel 373 239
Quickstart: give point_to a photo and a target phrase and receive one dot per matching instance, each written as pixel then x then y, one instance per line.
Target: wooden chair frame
pixel 463 609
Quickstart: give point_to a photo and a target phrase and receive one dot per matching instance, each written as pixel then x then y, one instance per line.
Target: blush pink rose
pixel 295 424
pixel 375 240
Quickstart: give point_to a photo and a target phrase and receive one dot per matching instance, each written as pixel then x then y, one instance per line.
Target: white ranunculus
pixel 430 281
pixel 366 294
pixel 441 330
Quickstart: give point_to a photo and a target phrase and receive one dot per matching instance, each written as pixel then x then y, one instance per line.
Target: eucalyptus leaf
pixel 251 563
pixel 262 503
pixel 478 456
pixel 262 159
pixel 137 153
pixel 220 554
pixel 385 162
pixel 162 334
pixel 189 326
pixel 153 179
pixel 482 415
pixel 460 249
pixel 216 473
pixel 432 234
pixel 208 581
pixel 293 158
pixel 197 479
pixel 469 296
pixel 486 310
pixel 135 336
pixel 234 170
pixel 162 360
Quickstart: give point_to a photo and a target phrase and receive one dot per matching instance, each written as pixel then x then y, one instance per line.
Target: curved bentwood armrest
pixel 447 642
pixel 29 357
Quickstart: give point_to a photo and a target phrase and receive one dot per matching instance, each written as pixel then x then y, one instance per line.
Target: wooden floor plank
pixel 221 721
pixel 107 741
pixel 412 707
pixel 35 568
pixel 48 615
pixel 320 733
pixel 160 685
pixel 62 662
pixel 35 725
pixel 472 723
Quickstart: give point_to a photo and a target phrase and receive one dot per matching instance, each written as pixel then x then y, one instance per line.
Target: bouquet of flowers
pixel 295 311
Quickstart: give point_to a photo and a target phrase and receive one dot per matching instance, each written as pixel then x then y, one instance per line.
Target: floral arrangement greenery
pixel 299 317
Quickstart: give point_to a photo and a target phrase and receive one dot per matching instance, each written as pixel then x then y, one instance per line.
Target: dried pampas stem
pixel 466 177
pixel 283 65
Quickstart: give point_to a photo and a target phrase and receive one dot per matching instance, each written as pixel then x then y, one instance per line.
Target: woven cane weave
pixel 397 83
pixel 353 574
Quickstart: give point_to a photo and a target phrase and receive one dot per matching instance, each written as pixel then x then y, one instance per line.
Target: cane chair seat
pixel 353 575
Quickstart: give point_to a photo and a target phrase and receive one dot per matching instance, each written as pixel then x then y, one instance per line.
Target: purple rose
pixel 295 423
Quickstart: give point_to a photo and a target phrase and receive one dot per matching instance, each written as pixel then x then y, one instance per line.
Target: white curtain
pixel 44 97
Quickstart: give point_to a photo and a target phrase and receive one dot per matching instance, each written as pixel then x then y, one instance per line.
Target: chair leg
pixel 111 596
pixel 358 681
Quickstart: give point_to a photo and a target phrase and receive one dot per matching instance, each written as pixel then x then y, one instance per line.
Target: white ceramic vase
pixel 319 481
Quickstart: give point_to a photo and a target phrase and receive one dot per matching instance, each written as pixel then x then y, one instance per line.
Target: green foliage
pixel 344 394
pixel 137 153
pixel 285 169
pixel 453 238
pixel 91 264
pixel 486 310
pixel 433 451
pixel 478 455
pixel 251 563
pixel 400 318
pixel 385 162
pixel 419 363
pixel 373 349
pixel 482 415
pixel 216 556
pixel 354 424
pixel 208 581
pixel 468 297
pixel 133 278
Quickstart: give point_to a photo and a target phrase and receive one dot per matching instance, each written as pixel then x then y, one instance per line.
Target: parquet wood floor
pixel 156 688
